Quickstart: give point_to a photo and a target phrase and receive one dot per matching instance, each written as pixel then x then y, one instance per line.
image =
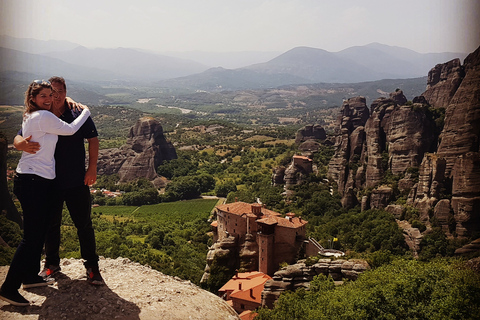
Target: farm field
pixel 179 211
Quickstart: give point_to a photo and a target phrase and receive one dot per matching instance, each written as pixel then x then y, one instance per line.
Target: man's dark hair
pixel 58 80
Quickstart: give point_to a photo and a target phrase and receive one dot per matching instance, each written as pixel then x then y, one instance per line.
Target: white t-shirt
pixel 44 127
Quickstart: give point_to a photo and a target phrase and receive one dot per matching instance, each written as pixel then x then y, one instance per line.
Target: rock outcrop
pixel 131 291
pixel 394 137
pixel 311 132
pixel 442 83
pixel 454 168
pixel 145 150
pixel 350 138
pixel 295 173
pixel 434 158
pixel 412 236
pixel 224 252
pixel 299 275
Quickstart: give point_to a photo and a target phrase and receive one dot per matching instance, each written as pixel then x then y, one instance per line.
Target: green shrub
pixel 403 289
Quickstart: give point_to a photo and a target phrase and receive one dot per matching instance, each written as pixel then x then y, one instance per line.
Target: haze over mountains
pixel 29 58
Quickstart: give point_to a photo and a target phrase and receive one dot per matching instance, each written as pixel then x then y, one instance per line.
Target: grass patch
pixel 168 212
pixel 136 238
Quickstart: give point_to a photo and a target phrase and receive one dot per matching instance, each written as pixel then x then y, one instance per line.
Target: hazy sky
pixel 247 25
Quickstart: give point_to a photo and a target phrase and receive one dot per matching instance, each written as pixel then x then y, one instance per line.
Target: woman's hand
pixel 25 145
pixel 75 106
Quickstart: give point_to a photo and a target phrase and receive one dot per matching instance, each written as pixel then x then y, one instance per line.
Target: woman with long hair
pixel 33 188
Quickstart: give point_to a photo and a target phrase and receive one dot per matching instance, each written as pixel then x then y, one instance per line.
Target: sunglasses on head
pixel 42 82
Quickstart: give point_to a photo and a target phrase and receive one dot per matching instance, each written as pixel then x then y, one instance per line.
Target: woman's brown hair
pixel 33 90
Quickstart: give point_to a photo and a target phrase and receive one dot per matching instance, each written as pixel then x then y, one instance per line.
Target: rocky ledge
pixel 132 291
pixel 299 275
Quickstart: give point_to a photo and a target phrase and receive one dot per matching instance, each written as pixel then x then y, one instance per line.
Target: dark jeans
pixel 78 202
pixel 33 192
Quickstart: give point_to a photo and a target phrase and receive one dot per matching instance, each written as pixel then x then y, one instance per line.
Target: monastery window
pixel 242 306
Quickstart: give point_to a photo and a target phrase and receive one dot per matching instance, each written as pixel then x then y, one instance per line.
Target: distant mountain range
pixel 30 58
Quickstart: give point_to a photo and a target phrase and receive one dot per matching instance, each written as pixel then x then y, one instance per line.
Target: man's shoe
pixel 49 270
pixel 14 298
pixel 38 282
pixel 94 277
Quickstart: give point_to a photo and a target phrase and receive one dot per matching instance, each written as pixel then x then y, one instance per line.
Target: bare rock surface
pixel 443 81
pixel 315 132
pixel 145 150
pixel 132 291
pixel 299 275
pixel 412 236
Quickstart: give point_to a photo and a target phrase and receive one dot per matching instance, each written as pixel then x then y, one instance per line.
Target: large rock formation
pixel 295 173
pixel 311 132
pixel 455 167
pixel 394 137
pixel 399 138
pixel 225 252
pixel 145 150
pixel 461 131
pixel 442 83
pixel 350 138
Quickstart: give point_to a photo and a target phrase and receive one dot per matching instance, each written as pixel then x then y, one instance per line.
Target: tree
pixel 222 189
pixel 404 289
pixel 182 188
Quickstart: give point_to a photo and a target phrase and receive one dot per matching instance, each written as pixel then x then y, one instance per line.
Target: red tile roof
pixel 303 157
pixel 284 222
pixel 240 208
pixel 268 217
pixel 247 315
pixel 241 285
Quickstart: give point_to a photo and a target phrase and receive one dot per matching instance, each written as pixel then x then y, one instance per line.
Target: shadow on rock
pixel 74 299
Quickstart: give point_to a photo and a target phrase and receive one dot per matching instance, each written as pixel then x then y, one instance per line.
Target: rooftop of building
pixel 288 222
pixel 241 208
pixel 247 286
pixel 267 216
pixel 302 157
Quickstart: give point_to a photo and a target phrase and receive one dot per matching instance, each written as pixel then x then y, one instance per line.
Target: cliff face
pixel 442 83
pixel 394 137
pixel 349 142
pixel 144 151
pixel 398 138
pixel 315 132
